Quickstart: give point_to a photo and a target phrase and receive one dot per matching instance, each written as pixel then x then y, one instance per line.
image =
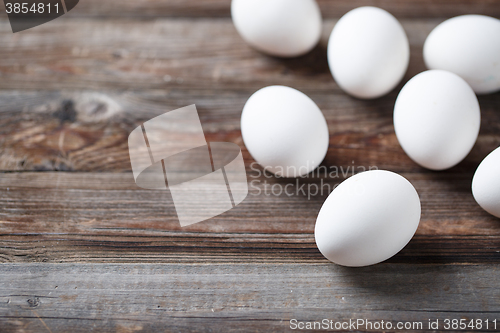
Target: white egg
pixel 437 119
pixel 283 28
pixel 368 52
pixel 486 183
pixel 468 46
pixel 367 219
pixel 284 131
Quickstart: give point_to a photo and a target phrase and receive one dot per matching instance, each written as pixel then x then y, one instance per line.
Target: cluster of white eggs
pixel 371 216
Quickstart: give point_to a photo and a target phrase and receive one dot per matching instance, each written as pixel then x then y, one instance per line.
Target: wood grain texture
pixel 39 194
pixel 228 297
pixel 194 54
pixel 78 131
pixel 90 217
pixel 82 248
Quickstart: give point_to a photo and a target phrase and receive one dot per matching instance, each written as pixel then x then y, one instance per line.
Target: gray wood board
pixel 237 297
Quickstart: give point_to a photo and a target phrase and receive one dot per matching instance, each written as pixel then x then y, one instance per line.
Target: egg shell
pixel 368 52
pixel 468 46
pixel 367 219
pixel 486 183
pixel 284 131
pixel 437 119
pixel 283 28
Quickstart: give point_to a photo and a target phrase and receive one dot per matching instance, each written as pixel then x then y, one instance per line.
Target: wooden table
pixel 84 249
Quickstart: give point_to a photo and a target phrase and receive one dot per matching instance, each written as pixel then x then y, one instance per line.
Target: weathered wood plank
pixel 91 217
pixel 93 203
pixel 329 8
pixel 237 297
pixel 70 131
pixel 222 248
pixel 93 54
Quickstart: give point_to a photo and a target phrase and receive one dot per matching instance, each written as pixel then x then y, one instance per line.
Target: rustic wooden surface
pixel 82 248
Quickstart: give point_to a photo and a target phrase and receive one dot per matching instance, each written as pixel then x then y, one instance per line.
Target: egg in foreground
pixel 367 219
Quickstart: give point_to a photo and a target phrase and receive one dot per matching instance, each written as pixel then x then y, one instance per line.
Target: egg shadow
pixel 389 283
pixel 313 63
